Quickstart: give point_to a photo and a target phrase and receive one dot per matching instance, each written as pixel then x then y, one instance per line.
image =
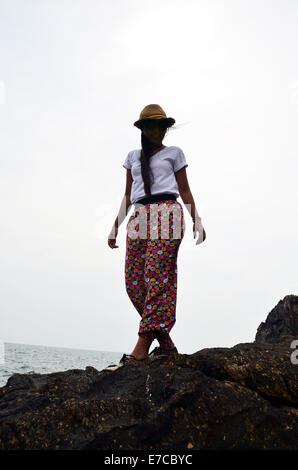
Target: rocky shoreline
pixel 243 397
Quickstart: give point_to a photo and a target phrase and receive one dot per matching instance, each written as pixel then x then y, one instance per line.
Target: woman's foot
pixel 165 341
pixel 139 357
pixel 162 352
pixel 129 359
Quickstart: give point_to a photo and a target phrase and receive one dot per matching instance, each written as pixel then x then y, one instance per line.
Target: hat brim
pixel 170 121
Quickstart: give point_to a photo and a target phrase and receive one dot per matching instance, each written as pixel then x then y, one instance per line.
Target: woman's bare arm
pixel 187 198
pixel 185 192
pixel 124 208
pixel 126 202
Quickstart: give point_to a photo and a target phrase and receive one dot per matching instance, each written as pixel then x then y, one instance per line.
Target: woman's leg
pixel 135 283
pixel 158 258
pixel 159 314
pixel 134 269
pixel 165 341
pixel 142 347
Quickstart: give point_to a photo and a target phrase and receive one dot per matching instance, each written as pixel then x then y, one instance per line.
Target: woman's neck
pixel 156 147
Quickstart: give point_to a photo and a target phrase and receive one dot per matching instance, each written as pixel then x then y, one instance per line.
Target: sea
pixel 34 359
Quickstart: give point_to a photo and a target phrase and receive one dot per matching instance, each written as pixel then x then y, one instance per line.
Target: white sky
pixel 74 76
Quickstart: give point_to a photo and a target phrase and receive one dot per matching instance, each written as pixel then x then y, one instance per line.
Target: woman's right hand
pixel 112 238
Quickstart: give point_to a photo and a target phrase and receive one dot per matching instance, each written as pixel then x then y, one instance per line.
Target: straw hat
pixel 153 111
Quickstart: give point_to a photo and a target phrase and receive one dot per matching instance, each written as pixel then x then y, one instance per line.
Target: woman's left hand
pixel 112 237
pixel 199 229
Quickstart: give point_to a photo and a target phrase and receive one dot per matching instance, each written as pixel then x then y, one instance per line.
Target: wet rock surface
pixel 243 397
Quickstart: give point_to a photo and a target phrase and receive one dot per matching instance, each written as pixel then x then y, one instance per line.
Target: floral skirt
pixel 154 235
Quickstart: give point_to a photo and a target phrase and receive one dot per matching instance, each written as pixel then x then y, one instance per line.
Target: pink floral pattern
pixel 151 267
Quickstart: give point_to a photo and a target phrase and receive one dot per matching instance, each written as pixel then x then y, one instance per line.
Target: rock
pixel 243 397
pixel 281 323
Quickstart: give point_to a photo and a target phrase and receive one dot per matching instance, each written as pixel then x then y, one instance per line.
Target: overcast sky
pixel 74 76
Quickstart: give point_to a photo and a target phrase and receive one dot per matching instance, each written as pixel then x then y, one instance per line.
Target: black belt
pixel 156 198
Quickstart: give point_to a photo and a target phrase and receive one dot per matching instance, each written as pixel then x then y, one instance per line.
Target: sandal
pixel 129 359
pixel 162 352
pixel 113 367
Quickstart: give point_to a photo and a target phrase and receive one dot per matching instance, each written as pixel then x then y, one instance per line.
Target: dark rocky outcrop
pixel 281 322
pixel 243 397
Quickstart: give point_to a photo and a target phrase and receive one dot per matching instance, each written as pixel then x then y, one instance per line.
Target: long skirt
pixel 154 235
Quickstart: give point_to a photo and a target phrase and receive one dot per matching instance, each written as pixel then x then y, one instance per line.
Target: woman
pixel 151 255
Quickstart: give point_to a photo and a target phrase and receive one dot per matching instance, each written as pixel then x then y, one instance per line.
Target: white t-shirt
pixel 163 164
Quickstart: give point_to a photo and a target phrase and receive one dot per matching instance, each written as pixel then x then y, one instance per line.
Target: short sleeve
pixel 127 163
pixel 180 160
